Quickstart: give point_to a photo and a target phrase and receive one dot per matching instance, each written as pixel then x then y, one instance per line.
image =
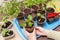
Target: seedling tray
pixel 47 26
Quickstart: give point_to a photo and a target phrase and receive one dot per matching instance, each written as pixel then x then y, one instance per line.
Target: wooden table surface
pixel 45 38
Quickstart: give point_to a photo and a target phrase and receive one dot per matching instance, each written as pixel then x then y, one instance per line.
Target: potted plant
pixel 40 19
pixel 28 24
pixel 7 24
pixel 7 34
pixel 50 10
pixel 20 16
pixel 27 11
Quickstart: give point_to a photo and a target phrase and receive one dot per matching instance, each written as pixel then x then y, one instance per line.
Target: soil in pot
pixel 41 12
pixel 20 16
pixel 6 24
pixel 50 10
pixel 10 33
pixel 27 11
pixel 35 7
pixel 40 20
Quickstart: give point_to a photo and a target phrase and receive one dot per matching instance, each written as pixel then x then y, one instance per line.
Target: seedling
pixel 5 32
pixel 28 22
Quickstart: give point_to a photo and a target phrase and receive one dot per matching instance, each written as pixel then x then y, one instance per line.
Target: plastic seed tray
pixel 50 26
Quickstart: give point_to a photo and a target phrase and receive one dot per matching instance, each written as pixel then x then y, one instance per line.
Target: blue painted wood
pixel 51 26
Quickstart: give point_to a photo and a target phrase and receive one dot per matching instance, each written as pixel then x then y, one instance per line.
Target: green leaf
pixel 38 14
pixel 30 24
pixel 29 17
pixel 42 16
pixel 23 24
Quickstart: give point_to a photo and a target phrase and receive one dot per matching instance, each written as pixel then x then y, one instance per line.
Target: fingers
pixel 39 28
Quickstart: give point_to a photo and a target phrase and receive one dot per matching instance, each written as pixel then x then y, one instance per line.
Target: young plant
pixel 29 3
pixel 5 20
pixel 28 22
pixel 5 32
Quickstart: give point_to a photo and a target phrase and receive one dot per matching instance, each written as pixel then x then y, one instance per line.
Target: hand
pixel 41 31
pixel 30 36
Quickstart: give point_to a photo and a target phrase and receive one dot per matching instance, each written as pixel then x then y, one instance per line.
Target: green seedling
pixel 5 32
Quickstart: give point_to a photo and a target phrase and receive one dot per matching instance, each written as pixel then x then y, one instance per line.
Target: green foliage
pixel 38 14
pixel 5 32
pixel 11 8
pixel 30 24
pixel 27 21
pixel 29 3
pixel 42 16
pixel 23 24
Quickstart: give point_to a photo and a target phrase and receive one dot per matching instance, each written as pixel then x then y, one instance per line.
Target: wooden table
pixel 45 38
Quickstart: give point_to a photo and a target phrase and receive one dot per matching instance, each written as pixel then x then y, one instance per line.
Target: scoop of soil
pixel 6 24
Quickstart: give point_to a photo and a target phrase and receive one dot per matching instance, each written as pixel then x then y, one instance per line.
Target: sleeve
pixel 54 35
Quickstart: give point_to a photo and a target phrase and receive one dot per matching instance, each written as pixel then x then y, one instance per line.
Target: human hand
pixel 41 31
pixel 30 36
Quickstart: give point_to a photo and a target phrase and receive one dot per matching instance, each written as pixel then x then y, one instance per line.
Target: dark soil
pixel 11 33
pixel 35 7
pixel 20 16
pixel 27 10
pixel 50 10
pixel 41 12
pixel 40 20
pixel 7 25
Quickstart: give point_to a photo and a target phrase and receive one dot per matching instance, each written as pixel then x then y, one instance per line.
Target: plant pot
pixel 50 10
pixel 27 11
pixel 41 12
pixel 8 25
pixel 20 15
pixel 35 7
pixel 28 28
pixel 40 21
pixel 10 36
